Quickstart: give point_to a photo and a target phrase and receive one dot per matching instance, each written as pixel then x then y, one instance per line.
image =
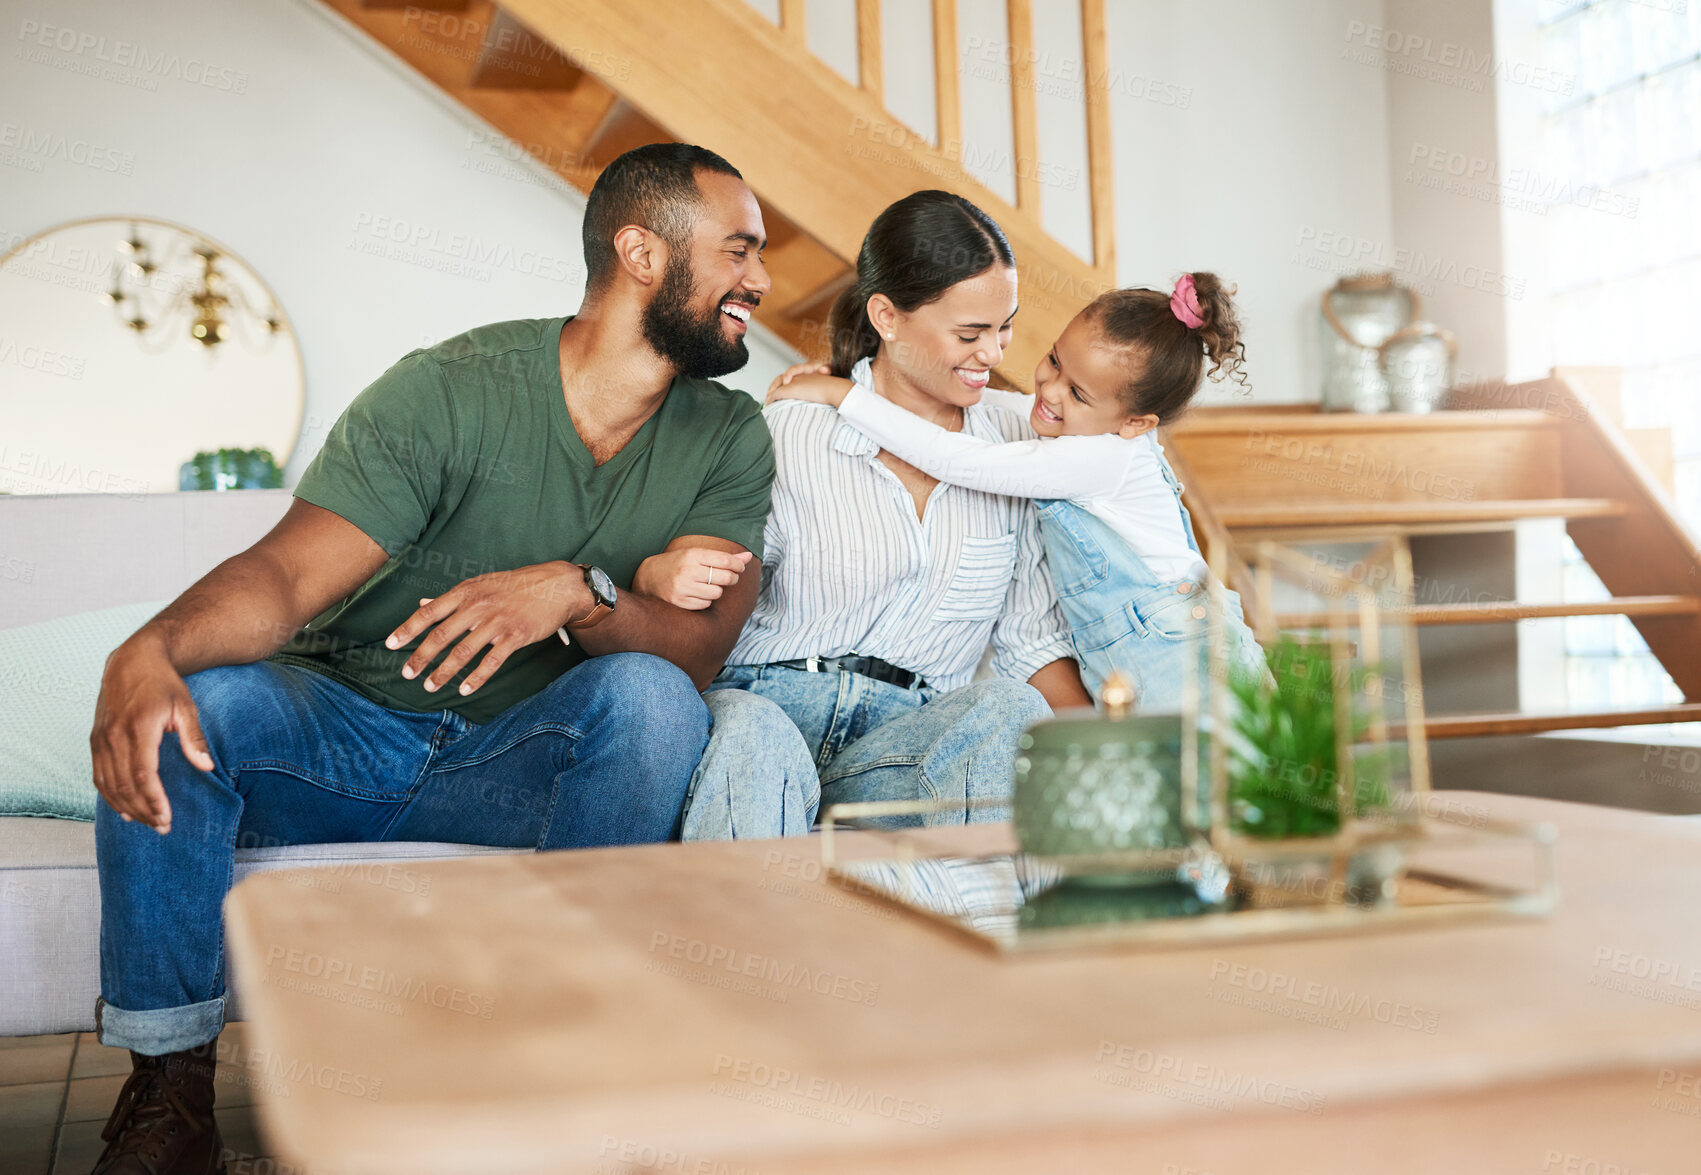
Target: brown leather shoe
pixel 163 1122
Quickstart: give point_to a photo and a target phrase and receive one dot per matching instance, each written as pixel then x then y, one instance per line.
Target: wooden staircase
pixel 1502 455
pixel 576 82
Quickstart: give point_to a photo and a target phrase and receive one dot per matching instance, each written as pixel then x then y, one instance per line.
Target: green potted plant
pixel 1285 772
pixel 231 469
pixel 1289 761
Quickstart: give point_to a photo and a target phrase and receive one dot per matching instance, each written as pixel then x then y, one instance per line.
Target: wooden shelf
pixel 1234 421
pixel 1434 514
pixel 1505 612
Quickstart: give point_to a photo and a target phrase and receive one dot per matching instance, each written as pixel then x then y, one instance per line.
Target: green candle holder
pixel 1091 786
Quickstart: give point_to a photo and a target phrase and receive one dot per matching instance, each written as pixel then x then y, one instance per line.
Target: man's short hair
pixel 653 186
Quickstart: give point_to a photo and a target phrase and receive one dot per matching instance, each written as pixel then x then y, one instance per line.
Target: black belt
pixel 867 666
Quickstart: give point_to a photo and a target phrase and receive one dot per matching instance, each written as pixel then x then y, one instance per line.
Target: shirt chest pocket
pixel 982 579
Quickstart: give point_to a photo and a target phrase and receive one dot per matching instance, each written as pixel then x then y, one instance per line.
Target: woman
pixel 882 587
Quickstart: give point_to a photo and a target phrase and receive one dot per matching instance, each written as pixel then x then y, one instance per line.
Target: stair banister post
pixel 792 19
pixel 1023 122
pixel 1101 183
pixel 947 89
pixel 870 65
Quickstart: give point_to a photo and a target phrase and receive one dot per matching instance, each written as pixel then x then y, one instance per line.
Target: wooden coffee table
pixel 719 1008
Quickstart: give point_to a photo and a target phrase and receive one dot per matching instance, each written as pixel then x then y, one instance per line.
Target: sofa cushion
pixel 50 910
pixel 49 677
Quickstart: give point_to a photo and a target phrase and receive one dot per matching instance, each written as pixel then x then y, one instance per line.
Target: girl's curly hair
pixel 1172 354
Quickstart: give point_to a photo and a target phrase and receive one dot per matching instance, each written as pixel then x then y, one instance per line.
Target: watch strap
pixel 597 612
pixel 599 607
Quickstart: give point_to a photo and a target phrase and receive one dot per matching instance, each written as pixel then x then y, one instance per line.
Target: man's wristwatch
pixel 603 600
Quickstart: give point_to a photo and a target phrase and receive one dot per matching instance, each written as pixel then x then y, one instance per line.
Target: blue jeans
pixel 603 755
pixel 871 740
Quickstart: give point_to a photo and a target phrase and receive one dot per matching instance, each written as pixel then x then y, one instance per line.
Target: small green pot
pixel 1100 785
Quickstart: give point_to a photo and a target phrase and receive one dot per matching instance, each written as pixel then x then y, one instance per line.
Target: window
pixel 1607 663
pixel 1623 160
pixel 1624 232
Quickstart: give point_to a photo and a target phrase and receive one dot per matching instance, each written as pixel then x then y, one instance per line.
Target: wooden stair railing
pixel 576 82
pixel 1504 454
pixel 1646 550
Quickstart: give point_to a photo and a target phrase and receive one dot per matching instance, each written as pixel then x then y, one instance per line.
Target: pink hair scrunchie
pixel 1184 303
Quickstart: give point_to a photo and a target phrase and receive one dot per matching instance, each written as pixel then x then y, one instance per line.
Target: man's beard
pixel 695 343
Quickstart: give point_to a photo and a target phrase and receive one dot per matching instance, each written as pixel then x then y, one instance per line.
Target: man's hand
pixel 784 379
pixel 241 611
pixel 504 611
pixel 690 577
pixel 699 640
pixel 142 697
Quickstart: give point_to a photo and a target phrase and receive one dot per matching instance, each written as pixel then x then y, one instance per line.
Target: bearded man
pixel 439 641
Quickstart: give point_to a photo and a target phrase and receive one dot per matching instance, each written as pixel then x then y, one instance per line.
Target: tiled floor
pixel 56 1093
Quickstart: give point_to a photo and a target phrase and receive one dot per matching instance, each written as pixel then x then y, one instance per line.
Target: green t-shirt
pixel 462 459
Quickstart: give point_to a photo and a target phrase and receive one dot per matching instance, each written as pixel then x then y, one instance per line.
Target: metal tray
pixel 1012 902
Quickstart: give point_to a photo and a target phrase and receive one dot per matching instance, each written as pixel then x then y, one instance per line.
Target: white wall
pixel 1449 174
pixel 1247 140
pixel 310 146
pixel 1523 135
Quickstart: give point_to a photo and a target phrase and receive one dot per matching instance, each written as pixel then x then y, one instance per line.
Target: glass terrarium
pixel 1326 758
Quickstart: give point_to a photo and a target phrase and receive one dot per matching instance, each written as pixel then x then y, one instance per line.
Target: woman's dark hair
pixel 1170 354
pixel 915 250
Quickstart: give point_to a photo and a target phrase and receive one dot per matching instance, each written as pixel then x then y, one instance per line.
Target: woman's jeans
pixel 603 755
pixel 871 740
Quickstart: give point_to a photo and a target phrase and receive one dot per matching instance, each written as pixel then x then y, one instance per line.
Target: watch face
pixel 602 586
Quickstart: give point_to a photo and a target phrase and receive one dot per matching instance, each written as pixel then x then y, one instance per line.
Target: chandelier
pixel 177 277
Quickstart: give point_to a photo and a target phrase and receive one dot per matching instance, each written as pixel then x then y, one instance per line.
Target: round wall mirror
pixel 140 356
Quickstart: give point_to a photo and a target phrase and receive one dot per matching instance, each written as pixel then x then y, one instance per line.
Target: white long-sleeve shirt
pixel 1116 480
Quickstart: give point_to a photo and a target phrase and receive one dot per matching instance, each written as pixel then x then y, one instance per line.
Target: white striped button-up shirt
pixel 848 568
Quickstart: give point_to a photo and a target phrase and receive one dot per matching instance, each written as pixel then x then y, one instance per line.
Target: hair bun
pixel 1220 328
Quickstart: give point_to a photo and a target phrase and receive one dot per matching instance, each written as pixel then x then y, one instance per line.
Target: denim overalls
pixel 1123 617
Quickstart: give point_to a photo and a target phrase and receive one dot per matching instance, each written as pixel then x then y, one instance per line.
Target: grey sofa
pixel 76 553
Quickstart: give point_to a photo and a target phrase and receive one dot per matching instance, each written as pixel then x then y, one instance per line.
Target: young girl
pixel 1118 540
